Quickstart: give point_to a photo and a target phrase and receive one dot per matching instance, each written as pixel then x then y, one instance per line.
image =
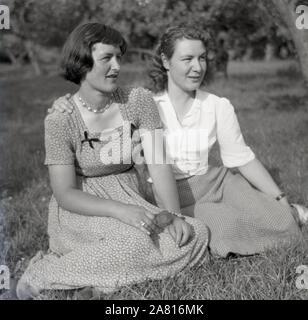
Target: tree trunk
pixel 248 54
pixel 269 51
pixel 286 9
pixel 33 57
pixel 14 60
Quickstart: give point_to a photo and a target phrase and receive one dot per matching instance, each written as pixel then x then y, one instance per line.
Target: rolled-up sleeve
pixel 233 149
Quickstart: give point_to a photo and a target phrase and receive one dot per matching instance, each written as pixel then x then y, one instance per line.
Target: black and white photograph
pixel 154 150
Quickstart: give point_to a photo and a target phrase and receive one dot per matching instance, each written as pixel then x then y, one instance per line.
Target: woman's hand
pixel 62 105
pixel 164 219
pixel 139 218
pixel 180 231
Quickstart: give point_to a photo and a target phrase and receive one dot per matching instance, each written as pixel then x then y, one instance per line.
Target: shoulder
pixel 219 104
pixel 213 98
pixel 136 98
pixel 58 120
pixel 139 98
pixel 140 93
pixel 134 93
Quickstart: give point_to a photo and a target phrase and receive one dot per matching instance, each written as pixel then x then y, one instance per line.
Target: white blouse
pixel 189 142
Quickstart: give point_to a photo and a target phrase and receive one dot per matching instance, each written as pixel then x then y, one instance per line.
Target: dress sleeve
pixel 146 111
pixel 58 140
pixel 233 149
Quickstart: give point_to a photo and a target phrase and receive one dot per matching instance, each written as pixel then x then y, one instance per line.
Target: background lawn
pixel 272 105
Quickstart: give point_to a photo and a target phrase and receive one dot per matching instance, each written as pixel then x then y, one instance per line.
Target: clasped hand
pixel 151 223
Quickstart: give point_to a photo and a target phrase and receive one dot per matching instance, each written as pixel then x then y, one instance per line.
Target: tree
pixel 285 11
pixel 44 23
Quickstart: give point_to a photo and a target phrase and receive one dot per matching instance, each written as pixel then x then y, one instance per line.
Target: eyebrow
pixel 191 55
pixel 108 54
pixel 105 54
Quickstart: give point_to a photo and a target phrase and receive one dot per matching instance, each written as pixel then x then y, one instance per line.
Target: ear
pixel 165 62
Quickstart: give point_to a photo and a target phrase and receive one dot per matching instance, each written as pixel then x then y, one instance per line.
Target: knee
pixel 286 221
pixel 200 230
pixel 136 241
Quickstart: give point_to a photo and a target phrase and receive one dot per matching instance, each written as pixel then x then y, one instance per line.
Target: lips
pixel 195 78
pixel 113 76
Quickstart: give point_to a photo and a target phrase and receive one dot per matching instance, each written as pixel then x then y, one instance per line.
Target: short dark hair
pixel 166 45
pixel 76 58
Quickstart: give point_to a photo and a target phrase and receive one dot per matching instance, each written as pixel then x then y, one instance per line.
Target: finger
pixel 143 229
pixel 50 110
pixel 172 232
pixel 186 235
pixel 151 226
pixel 57 105
pixel 69 107
pixel 65 107
pixel 62 108
pixel 150 215
pixel 179 233
pixel 152 222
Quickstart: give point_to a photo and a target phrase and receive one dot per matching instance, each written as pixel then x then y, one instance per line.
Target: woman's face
pixel 187 66
pixel 106 67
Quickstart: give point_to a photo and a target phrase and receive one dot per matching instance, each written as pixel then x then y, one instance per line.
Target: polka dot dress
pixel 240 219
pixel 104 252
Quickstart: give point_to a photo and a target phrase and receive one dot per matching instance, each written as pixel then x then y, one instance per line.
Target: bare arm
pixel 64 186
pixel 235 152
pixel 258 176
pixel 160 173
pixel 69 197
pixel 165 185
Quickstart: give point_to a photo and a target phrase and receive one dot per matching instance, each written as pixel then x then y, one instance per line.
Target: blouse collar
pixel 168 109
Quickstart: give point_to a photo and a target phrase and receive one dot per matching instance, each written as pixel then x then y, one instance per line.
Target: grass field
pixel 272 105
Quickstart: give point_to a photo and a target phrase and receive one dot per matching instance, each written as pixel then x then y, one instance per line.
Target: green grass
pixel 272 105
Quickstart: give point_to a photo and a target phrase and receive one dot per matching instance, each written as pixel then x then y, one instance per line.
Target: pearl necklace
pixel 90 108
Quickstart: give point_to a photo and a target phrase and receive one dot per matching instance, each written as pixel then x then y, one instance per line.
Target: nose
pixel 196 65
pixel 115 64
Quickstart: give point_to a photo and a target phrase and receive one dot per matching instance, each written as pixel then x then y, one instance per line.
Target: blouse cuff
pixel 239 159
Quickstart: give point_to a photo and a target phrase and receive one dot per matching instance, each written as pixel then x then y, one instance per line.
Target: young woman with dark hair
pixel 102 233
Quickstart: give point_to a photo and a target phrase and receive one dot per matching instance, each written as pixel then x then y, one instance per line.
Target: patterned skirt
pixel 105 253
pixel 241 219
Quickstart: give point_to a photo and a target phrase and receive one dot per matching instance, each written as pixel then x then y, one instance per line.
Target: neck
pixel 179 95
pixel 93 96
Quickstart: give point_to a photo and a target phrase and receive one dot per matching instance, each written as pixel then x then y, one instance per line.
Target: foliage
pixel 246 27
pixel 45 22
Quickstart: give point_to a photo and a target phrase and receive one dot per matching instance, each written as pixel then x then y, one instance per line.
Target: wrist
pixel 117 210
pixel 177 215
pixel 280 196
